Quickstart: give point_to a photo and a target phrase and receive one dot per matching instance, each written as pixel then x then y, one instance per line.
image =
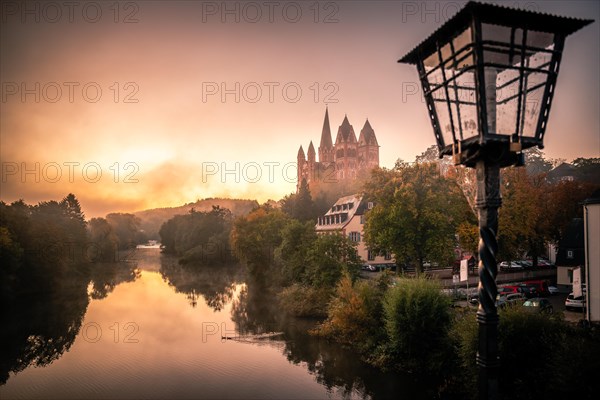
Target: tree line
pixel 200 237
pixel 47 239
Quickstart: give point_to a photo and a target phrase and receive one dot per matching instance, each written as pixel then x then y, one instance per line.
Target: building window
pixel 570 254
pixel 388 255
pixel 370 205
pixel 362 219
pixel 354 236
pixel 371 255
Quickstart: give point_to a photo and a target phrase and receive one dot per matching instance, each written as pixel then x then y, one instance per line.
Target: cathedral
pixel 345 160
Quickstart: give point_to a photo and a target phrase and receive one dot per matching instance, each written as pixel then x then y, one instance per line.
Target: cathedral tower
pixel 368 148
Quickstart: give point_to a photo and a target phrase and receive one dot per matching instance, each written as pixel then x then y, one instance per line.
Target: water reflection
pixel 255 310
pixel 215 284
pixel 38 326
pixel 106 276
pixel 337 368
pixel 42 316
pixel 173 356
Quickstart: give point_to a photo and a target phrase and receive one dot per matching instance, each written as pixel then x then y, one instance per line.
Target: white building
pixel 591 217
pixel 347 216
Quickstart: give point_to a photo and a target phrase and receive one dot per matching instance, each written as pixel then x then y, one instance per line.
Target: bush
pixel 417 318
pixel 354 315
pixel 541 356
pixel 305 301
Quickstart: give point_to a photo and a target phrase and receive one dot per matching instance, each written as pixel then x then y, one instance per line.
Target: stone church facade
pixel 345 160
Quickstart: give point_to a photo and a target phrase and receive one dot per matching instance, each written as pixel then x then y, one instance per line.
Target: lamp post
pixel 488 77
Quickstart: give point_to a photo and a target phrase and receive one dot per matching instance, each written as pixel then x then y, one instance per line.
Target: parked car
pixel 528 290
pixel 525 263
pixel 474 299
pixel 509 289
pixel 542 262
pixel 369 267
pixel 553 290
pixel 573 303
pixel 510 299
pixel 510 266
pixel 538 305
pixel 541 285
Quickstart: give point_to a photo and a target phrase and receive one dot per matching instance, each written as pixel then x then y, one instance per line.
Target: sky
pixel 145 104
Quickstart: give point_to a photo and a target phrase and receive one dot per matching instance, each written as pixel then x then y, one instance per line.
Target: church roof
pixel 345 132
pixel 367 135
pixel 326 142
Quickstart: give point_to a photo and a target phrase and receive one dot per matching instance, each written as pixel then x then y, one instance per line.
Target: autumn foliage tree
pixel 415 214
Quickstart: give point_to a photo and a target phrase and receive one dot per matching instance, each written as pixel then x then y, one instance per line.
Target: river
pixel 150 328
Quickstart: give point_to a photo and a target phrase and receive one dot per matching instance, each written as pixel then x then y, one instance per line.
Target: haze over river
pixel 150 328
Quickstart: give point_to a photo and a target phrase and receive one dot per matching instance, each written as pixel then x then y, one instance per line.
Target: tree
pixel 520 215
pixel 255 237
pixel 297 238
pixel 415 214
pixel 563 204
pixel 329 257
pixel 300 205
pixel 199 237
pixel 587 169
pixel 103 239
pixel 535 162
pixel 468 236
pixel 126 227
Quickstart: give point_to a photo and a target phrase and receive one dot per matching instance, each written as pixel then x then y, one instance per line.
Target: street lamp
pixel 488 77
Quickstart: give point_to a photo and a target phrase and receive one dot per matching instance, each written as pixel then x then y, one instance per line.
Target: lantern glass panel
pixel 506 87
pixel 451 77
pixel 467 97
pixel 516 70
pixel 441 108
pixel 532 103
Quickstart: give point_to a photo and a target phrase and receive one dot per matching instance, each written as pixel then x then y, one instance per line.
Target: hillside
pixel 151 220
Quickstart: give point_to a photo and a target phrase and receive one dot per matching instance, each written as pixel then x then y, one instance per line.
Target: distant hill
pixel 151 220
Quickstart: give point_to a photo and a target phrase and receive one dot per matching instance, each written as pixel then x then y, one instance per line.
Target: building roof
pixel 345 132
pixel 326 142
pixel 560 171
pixel 300 152
pixel 341 213
pixel 367 135
pixel 594 198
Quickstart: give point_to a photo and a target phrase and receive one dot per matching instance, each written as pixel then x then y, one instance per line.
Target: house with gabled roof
pixel 347 216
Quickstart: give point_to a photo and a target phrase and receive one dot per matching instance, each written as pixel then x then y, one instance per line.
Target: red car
pixel 541 286
pixel 508 289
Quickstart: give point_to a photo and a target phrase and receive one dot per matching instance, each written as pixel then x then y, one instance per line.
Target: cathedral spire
pixel 301 153
pixel 311 152
pixel 326 142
